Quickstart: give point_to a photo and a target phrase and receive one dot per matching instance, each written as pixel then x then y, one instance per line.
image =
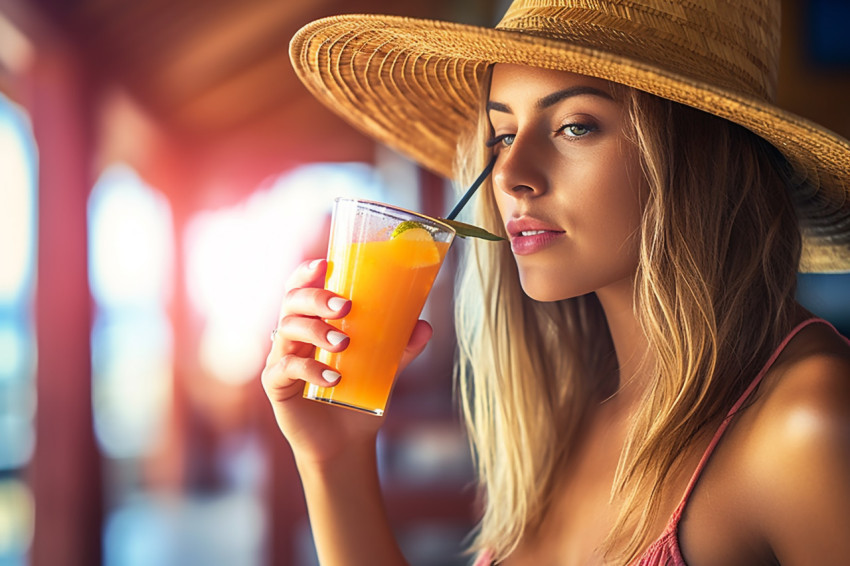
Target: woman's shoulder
pixel 805 397
pixel 808 387
pixel 798 446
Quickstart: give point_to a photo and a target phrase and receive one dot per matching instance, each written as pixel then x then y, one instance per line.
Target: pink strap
pixel 728 419
pixel 658 546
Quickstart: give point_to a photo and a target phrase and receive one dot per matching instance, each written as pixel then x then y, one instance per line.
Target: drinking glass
pixel 384 259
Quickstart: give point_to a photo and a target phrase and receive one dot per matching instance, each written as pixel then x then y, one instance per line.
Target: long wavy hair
pixel 714 295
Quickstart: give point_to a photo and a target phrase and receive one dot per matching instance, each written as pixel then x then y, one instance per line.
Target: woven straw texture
pixel 414 84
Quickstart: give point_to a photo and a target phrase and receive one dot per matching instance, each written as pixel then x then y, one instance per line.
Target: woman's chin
pixel 544 292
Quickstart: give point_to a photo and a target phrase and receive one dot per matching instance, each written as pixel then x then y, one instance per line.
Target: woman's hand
pixel 317 432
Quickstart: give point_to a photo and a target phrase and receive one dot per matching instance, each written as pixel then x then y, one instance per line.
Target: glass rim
pixel 436 222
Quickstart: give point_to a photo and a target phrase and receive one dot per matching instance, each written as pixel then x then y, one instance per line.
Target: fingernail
pixel 314 264
pixel 336 303
pixel 330 376
pixel 335 337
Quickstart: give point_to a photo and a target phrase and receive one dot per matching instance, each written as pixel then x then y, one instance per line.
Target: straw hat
pixel 414 84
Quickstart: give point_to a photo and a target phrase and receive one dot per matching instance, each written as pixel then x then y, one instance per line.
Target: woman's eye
pixel 504 139
pixel 576 130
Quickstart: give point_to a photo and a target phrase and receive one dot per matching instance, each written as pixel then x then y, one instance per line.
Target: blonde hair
pixel 714 294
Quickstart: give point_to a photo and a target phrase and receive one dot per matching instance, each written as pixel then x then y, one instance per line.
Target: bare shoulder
pixel 804 405
pixel 799 450
pixel 804 421
pixel 807 392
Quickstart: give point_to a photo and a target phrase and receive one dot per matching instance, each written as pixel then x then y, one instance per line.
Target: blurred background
pixel 161 173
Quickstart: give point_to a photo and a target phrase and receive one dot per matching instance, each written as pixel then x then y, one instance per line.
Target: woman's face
pixel 567 183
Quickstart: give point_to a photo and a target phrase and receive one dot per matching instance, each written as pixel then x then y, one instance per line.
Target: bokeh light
pixel 238 258
pixel 18 193
pixel 131 254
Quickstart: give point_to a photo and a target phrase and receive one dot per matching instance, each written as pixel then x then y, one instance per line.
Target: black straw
pixel 468 194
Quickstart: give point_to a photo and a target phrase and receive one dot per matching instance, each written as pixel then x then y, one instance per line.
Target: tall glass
pixel 384 259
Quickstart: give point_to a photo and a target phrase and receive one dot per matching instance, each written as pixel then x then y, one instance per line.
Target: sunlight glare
pixel 239 258
pixel 17 209
pixel 131 255
pixel 131 235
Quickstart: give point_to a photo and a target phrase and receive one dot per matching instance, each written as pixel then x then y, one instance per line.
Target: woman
pixel 639 384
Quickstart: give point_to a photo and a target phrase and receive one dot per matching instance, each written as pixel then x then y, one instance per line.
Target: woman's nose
pixel 519 168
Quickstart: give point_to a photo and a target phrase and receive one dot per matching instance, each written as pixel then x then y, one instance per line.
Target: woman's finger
pixel 285 378
pixel 419 338
pixel 312 301
pixel 294 331
pixel 310 273
pixel 305 298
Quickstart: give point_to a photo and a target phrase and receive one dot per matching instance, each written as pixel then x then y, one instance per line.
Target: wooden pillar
pixel 65 472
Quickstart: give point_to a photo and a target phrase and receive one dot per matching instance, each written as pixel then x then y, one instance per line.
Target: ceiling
pixel 221 108
pixel 215 74
pixel 214 67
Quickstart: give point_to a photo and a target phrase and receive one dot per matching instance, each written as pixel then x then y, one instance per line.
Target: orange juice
pixel 388 282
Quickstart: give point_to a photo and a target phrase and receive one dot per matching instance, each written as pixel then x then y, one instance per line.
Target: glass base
pixel 376 412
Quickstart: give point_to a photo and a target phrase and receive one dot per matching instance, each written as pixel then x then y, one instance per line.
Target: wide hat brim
pixel 414 85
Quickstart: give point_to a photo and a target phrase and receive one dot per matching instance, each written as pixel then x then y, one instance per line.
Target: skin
pixel 334 449
pixel 568 165
pixel 565 162
pixel 775 490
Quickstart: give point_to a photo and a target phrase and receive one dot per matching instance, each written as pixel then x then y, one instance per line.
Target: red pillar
pixel 65 471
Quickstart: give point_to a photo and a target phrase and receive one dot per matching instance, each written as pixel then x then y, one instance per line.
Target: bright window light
pixel 17 397
pixel 130 240
pixel 131 257
pixel 239 258
pixel 18 197
pixel 17 202
pixel 17 517
pixel 131 391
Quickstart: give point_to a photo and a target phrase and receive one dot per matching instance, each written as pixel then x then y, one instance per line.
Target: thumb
pixel 422 333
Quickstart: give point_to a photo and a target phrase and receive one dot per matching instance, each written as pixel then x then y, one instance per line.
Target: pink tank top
pixel 665 551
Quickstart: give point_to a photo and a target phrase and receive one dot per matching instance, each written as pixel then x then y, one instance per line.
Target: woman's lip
pixel 517 225
pixel 532 241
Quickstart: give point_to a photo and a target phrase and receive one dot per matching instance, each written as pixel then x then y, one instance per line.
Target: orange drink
pixel 385 260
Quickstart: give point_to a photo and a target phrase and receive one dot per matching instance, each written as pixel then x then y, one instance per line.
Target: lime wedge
pixel 418 231
pixel 413 246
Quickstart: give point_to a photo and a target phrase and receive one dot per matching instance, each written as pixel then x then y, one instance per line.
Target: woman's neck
pixel 630 344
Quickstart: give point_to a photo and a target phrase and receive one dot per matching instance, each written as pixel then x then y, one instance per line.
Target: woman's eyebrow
pixel 553 98
pixel 560 95
pixel 498 107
